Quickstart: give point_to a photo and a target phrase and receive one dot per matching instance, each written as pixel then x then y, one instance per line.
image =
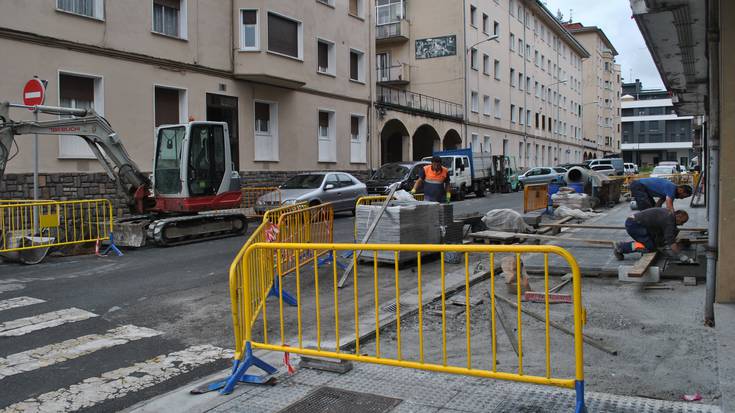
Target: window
pixel 389 11
pixel 498 110
pixel 512 42
pixel 357 65
pixel 528 52
pixel 497 69
pixel 486 64
pixel 496 28
pixel 474 102
pixel 356 8
pixel 520 81
pixel 249 33
pixel 513 113
pixel 473 16
pixel 357 139
pixel 485 23
pixel 535 57
pixel 285 36
pixel 325 57
pixel 266 131
pixel 520 115
pixel 512 77
pixel 528 117
pixel 89 8
pixel 486 105
pixel 520 47
pixel 528 84
pixel 486 145
pixel 81 92
pixel 169 18
pixel 475 143
pixel 473 58
pixel 326 136
pixel 170 106
pixel 536 87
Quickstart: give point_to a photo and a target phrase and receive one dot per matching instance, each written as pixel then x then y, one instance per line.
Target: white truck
pixel 468 171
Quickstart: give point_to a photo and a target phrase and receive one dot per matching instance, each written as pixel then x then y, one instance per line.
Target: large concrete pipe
pixel 576 174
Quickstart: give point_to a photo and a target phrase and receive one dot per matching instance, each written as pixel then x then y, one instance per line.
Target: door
pixel 350 191
pixel 382 61
pixel 206 168
pixel 222 108
pixel 334 194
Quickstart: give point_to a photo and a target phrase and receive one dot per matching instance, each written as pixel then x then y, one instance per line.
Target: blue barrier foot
pixel 276 291
pixel 112 247
pixel 580 406
pixel 327 259
pixel 240 368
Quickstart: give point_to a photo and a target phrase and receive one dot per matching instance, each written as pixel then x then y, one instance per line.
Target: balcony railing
pixel 417 103
pixel 394 75
pixel 392 31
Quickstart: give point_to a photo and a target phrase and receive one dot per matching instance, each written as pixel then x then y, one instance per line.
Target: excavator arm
pixel 102 140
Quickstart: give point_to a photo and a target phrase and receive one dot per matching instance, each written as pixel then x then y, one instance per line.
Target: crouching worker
pixel 652 229
pixel 645 190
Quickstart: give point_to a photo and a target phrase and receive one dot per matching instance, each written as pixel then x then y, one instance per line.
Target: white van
pixel 616 163
pixel 631 168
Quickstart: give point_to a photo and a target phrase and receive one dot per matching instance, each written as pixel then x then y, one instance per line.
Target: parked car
pixel 617 164
pixel 339 188
pixel 678 167
pixel 664 171
pixel 630 168
pixel 404 172
pixel 542 175
pixel 605 169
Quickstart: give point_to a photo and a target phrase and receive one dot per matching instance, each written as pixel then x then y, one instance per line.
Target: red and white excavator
pixel 194 193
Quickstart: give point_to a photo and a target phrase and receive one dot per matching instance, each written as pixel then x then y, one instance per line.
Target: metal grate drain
pixel 331 400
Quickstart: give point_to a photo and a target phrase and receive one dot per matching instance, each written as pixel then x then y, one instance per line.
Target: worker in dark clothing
pixel 644 190
pixel 435 181
pixel 651 230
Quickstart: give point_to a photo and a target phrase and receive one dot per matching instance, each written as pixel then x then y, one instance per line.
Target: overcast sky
pixel 613 17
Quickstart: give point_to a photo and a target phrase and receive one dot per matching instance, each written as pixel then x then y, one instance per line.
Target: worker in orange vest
pixel 435 180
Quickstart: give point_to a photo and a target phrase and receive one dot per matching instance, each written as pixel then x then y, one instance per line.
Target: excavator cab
pixel 192 169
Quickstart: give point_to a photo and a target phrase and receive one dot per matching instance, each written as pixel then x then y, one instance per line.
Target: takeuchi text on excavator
pixel 194 193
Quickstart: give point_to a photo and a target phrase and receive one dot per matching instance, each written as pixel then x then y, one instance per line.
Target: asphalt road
pixel 102 333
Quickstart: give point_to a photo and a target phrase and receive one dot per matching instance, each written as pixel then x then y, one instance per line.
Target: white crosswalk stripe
pixel 19 302
pixel 70 349
pixel 26 325
pixel 121 382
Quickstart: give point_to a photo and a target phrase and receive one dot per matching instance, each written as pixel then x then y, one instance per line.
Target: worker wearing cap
pixel 644 190
pixel 651 230
pixel 435 180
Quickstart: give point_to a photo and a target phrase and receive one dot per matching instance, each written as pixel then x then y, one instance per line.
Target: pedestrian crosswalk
pixel 78 390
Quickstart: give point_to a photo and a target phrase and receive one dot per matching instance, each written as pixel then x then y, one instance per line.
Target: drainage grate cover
pixel 331 400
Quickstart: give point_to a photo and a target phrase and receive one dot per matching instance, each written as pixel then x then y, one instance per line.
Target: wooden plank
pixel 615 227
pixel 642 264
pixel 502 236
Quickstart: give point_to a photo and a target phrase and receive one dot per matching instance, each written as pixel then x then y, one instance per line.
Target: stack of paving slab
pixel 401 223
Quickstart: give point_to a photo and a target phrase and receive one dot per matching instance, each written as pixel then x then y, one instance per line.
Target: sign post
pixel 34 94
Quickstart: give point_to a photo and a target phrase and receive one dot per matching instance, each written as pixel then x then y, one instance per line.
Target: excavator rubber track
pixel 172 231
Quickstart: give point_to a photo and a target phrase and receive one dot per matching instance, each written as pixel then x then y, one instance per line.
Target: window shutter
pixel 323 119
pixel 76 87
pixel 174 4
pixel 249 17
pixel 262 111
pixel 283 35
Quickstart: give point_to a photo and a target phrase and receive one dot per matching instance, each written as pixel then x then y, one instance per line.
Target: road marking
pixel 19 302
pixel 70 349
pixel 26 325
pixel 121 382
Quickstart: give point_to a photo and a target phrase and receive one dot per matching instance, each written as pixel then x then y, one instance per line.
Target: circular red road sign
pixel 34 92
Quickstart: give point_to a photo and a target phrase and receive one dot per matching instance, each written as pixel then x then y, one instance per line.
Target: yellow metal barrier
pixel 43 224
pixel 311 225
pixel 535 197
pixel 323 337
pixel 377 199
pixel 273 215
pixel 271 198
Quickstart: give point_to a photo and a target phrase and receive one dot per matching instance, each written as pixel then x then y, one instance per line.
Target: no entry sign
pixel 34 93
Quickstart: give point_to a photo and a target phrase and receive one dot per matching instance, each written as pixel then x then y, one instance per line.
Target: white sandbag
pixel 564 211
pixel 403 195
pixel 566 197
pixel 506 220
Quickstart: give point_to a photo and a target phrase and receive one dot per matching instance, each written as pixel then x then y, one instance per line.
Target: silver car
pixel 339 188
pixel 542 175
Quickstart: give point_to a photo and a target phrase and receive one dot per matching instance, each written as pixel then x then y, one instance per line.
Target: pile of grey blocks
pixel 401 223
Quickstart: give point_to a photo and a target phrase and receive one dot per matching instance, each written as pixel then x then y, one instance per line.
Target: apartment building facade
pixel 652 130
pixel 292 79
pixel 508 73
pixel 601 92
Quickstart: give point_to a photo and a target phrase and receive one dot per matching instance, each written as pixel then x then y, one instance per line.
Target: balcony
pixel 416 103
pixel 392 32
pixel 394 75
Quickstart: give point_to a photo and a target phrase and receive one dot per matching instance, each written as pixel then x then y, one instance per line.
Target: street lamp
pixel 493 37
